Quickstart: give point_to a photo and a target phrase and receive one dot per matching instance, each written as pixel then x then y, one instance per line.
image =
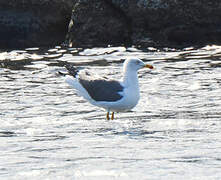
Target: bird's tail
pixel 62 73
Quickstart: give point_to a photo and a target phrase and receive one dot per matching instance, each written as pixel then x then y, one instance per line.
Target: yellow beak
pixel 148 66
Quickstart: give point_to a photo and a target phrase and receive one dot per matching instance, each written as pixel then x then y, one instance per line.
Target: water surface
pixel 48 132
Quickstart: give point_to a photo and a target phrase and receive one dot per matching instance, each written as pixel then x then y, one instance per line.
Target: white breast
pixel 132 96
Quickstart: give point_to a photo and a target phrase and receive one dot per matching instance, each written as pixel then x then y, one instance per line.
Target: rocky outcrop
pixel 98 23
pixel 28 23
pixel 145 22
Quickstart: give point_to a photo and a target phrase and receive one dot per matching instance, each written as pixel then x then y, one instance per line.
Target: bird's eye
pixel 137 62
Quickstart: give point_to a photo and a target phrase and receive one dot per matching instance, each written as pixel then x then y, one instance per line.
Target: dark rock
pixel 145 22
pixel 98 23
pixel 29 23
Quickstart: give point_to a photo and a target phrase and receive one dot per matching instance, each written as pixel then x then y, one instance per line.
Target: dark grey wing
pixel 102 90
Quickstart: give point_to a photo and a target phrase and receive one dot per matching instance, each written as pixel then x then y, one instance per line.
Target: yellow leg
pixel 108 118
pixel 112 116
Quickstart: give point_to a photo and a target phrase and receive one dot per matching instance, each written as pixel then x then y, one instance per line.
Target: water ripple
pixel 48 132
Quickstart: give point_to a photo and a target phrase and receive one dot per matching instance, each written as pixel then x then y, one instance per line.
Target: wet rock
pixel 29 23
pixel 145 22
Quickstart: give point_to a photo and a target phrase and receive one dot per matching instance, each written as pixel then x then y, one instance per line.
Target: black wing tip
pixel 71 70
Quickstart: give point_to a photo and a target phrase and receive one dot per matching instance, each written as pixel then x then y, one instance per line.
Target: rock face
pixel 145 22
pixel 28 23
pixel 98 22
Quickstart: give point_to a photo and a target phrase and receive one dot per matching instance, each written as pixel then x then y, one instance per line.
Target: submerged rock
pixel 145 22
pixel 29 23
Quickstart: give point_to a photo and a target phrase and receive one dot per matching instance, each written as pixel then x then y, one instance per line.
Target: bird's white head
pixel 134 64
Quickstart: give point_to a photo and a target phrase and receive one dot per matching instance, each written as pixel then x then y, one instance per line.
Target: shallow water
pixel 48 132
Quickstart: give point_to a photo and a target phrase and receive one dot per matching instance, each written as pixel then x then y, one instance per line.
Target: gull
pixel 112 95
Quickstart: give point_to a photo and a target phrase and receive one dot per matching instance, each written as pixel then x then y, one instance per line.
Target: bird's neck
pixel 130 78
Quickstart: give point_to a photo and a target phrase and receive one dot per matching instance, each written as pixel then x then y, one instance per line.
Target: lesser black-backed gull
pixel 112 95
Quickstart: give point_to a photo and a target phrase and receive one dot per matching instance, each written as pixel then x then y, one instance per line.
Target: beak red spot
pixel 148 66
